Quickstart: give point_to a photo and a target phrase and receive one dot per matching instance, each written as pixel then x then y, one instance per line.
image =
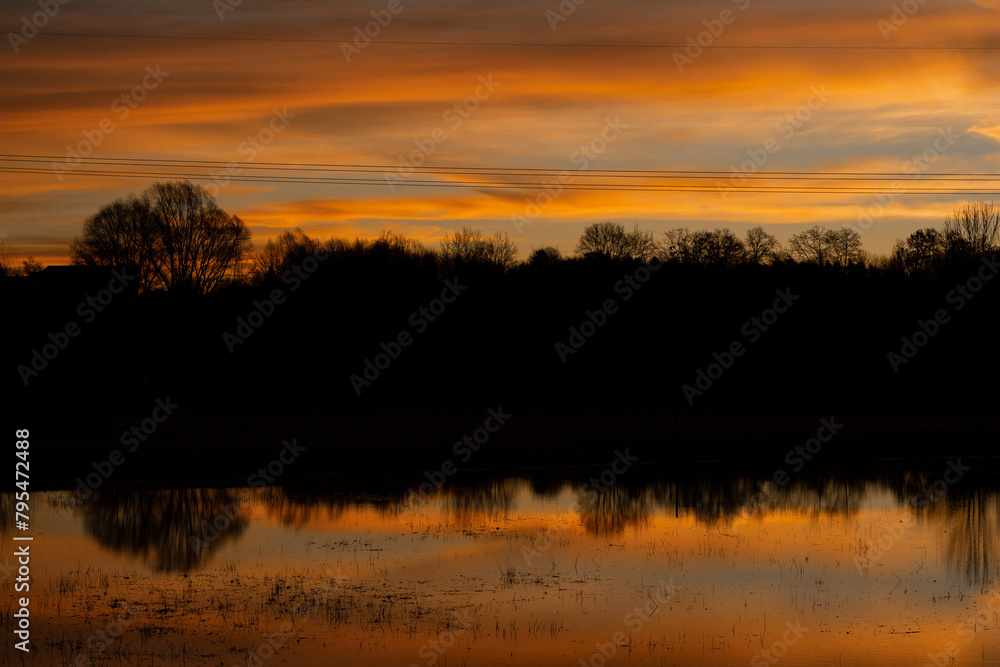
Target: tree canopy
pixel 471 247
pixel 612 240
pixel 820 246
pixel 172 236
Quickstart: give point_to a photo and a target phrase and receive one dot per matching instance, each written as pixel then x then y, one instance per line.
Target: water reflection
pixel 971 525
pixel 167 529
pixel 491 499
pixel 615 509
pixel 874 567
pixel 180 529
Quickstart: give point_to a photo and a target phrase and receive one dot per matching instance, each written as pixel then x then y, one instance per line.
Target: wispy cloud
pixel 370 111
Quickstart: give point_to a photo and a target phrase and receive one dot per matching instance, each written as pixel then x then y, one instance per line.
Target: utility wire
pixel 390 170
pixel 574 45
pixel 492 185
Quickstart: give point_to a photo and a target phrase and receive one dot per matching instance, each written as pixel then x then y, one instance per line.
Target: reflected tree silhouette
pixel 173 530
pixel 722 499
pixel 614 509
pixel 297 507
pixel 494 499
pixel 972 537
pixel 157 526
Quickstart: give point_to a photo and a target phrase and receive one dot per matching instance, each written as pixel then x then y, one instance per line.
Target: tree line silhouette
pixel 495 345
pixel 175 238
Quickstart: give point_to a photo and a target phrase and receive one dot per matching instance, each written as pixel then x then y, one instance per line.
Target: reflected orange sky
pixel 397 578
pixel 884 108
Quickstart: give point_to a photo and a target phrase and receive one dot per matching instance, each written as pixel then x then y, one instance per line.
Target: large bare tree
pixel 812 245
pixel 172 236
pixel 119 234
pixel 196 245
pixel 845 244
pixel 761 247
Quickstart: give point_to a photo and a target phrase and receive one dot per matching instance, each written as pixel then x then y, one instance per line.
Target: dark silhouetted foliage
pixel 611 240
pixel 469 248
pixel 172 237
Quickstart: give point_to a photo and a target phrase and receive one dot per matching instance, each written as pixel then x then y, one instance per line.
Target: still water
pixel 880 568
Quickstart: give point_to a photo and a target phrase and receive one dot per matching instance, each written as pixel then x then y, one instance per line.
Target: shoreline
pixel 200 445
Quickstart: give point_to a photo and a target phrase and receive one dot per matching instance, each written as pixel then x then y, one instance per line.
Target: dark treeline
pixel 387 332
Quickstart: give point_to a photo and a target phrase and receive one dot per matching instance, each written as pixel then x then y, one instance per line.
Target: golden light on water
pixel 508 577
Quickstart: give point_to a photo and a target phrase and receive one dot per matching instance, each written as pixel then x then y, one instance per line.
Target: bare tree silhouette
pixel 819 245
pixel 760 246
pixel 921 253
pixel 846 245
pixel 811 245
pixel 612 240
pixel 719 247
pixel 278 256
pixel 31 265
pixel 470 246
pixel 974 228
pixel 173 237
pixel 7 263
pixel 545 256
pixel 119 234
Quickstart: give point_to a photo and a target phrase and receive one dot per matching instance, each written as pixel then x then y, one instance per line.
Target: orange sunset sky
pixel 76 86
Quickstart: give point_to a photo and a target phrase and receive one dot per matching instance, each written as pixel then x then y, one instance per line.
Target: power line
pixel 884 47
pixel 388 169
pixel 500 185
